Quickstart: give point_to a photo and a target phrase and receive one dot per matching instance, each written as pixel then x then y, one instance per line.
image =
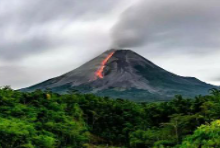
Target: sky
pixel 44 39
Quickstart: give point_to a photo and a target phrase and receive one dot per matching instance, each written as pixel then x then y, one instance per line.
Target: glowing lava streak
pixel 99 72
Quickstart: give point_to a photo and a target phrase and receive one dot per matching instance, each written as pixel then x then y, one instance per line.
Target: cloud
pixel 32 27
pixel 17 49
pixel 7 74
pixel 170 24
pixel 40 11
pixel 217 78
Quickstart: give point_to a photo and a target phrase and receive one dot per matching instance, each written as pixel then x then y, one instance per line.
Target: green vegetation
pixel 49 120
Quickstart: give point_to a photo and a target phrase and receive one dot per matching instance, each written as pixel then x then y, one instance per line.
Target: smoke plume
pixel 172 23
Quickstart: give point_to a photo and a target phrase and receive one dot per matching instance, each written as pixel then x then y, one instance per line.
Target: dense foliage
pixel 49 120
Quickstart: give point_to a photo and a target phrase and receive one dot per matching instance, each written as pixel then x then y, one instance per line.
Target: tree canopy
pixel 49 120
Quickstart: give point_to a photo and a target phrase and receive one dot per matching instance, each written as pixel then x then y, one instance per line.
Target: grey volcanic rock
pixel 125 75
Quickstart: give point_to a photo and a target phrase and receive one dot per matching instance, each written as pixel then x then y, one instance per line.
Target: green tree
pixel 206 136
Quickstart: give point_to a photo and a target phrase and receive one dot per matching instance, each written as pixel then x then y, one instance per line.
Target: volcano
pixel 127 75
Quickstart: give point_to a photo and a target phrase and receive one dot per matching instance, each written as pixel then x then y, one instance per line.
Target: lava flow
pixel 99 72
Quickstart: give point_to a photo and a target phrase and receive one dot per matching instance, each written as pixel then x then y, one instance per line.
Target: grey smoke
pixel 170 23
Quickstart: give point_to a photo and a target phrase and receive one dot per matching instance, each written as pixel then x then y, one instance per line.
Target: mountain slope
pixel 124 74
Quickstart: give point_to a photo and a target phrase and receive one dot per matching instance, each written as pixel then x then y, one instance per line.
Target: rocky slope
pixel 124 74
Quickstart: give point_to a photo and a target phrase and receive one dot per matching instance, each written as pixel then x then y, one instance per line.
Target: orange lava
pixel 99 72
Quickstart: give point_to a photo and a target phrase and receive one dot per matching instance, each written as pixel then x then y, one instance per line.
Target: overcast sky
pixel 42 39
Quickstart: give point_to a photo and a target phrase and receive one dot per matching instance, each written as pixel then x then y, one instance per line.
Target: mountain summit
pixel 124 74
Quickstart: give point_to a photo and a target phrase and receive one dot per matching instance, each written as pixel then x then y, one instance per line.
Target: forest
pixel 43 119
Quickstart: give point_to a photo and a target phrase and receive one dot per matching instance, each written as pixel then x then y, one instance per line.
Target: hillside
pixel 124 74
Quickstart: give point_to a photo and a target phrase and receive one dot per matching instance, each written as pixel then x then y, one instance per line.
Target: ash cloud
pixel 169 23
